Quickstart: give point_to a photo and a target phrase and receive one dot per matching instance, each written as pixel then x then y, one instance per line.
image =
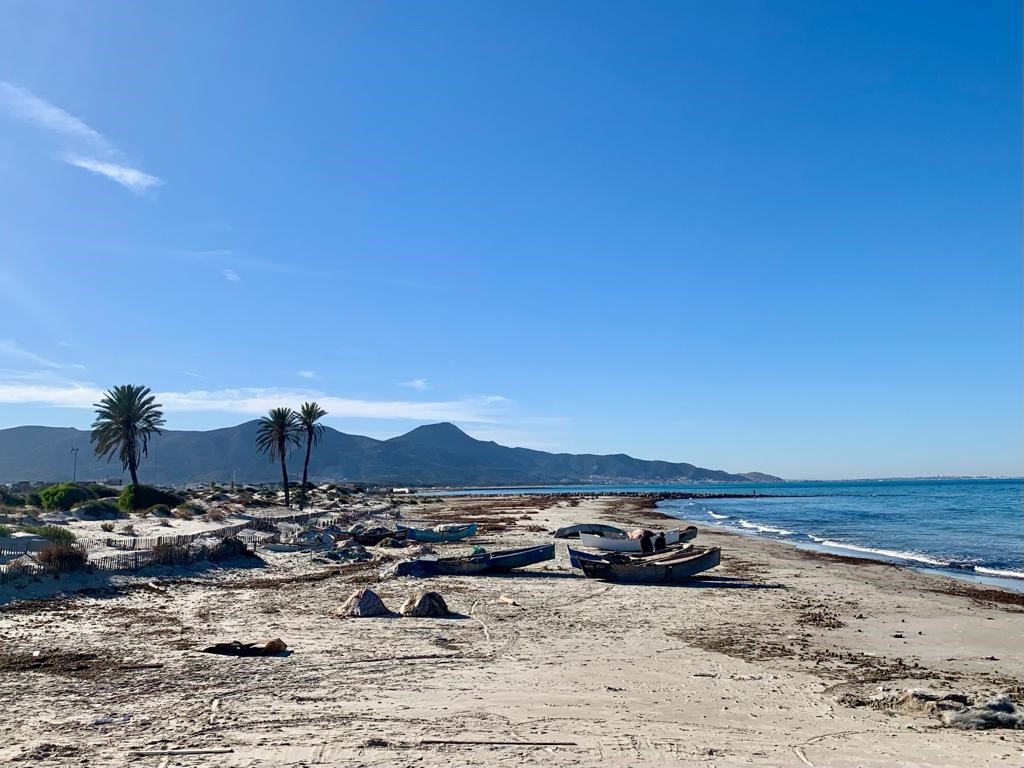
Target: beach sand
pixel 780 657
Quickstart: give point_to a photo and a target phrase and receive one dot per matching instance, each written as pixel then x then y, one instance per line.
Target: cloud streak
pixel 85 147
pixel 10 348
pixel 417 384
pixel 230 275
pixel 256 401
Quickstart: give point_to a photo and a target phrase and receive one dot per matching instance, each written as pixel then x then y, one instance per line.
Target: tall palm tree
pixel 278 432
pixel 309 414
pixel 126 418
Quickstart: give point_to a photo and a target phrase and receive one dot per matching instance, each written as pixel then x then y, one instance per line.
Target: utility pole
pixel 74 476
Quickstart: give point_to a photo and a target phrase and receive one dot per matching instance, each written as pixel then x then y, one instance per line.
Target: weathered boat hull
pixel 486 562
pixel 574 531
pixel 427 535
pixel 625 544
pixel 659 572
pixel 577 555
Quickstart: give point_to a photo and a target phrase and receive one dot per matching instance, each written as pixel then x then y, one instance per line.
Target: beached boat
pixel 625 544
pixel 577 555
pixel 482 563
pixel 657 571
pixel 574 531
pixel 439 534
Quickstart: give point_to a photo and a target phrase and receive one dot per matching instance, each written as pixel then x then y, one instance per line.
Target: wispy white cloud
pixel 230 275
pixel 255 401
pixel 9 348
pixel 306 374
pixel 26 105
pixel 417 384
pixel 130 178
pixel 85 147
pixel 193 375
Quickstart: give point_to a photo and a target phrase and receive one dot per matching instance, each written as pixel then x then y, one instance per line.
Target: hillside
pixel 436 454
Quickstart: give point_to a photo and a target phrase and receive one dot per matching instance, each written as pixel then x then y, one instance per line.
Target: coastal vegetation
pixel 309 415
pixel 55 533
pixel 135 497
pixel 62 496
pixel 278 432
pixel 126 418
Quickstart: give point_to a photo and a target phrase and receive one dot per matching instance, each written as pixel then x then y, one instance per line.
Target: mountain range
pixel 434 454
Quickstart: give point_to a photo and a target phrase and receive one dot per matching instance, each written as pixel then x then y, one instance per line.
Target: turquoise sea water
pixel 972 529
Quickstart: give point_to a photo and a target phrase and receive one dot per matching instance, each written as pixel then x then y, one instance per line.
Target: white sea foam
pixel 718 516
pixel 916 557
pixel 1008 574
pixel 765 528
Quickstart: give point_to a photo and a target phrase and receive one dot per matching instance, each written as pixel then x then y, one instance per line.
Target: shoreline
pixel 966 574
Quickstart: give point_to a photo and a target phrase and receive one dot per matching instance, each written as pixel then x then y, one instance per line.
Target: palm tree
pixel 309 414
pixel 126 418
pixel 278 431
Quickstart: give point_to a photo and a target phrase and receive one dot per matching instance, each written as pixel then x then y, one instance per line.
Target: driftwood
pixel 130 667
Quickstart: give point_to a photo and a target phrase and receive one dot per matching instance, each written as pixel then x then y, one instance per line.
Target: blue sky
pixel 755 236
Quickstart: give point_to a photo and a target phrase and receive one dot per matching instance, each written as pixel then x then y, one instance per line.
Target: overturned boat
pixel 599 529
pixel 440 533
pixel 477 564
pixel 623 543
pixel 655 570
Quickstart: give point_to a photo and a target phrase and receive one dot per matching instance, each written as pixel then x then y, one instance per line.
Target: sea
pixel 969 529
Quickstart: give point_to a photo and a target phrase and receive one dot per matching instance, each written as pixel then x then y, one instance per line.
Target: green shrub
pixel 5 530
pixel 107 526
pixel 189 509
pixel 100 491
pixel 129 530
pixel 54 533
pixel 11 499
pixel 62 557
pixel 98 508
pixel 32 499
pixel 62 496
pixel 145 496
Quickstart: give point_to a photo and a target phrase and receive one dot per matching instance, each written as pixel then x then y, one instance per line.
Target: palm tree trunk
pixel 305 471
pixel 135 476
pixel 284 480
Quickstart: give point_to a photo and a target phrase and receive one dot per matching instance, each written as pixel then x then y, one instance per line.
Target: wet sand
pixel 780 657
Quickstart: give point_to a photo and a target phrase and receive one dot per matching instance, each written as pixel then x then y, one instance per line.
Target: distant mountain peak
pixel 433 454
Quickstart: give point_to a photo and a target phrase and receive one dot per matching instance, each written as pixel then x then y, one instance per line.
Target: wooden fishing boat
pixel 657 571
pixel 482 563
pixel 577 555
pixel 441 533
pixel 625 544
pixel 574 531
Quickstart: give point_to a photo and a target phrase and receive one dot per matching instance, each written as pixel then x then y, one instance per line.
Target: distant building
pixel 400 490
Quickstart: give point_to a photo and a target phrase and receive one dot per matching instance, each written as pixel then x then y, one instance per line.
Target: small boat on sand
pixel 577 555
pixel 657 571
pixel 574 531
pixel 625 544
pixel 440 533
pixel 479 564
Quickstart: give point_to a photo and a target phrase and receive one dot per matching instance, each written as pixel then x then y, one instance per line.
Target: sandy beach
pixel 780 657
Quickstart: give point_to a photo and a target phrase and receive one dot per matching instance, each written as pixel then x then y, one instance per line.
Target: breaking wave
pixel 765 528
pixel 1006 574
pixel 915 557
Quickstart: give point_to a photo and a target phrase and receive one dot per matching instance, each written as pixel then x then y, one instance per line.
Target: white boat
pixel 625 544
